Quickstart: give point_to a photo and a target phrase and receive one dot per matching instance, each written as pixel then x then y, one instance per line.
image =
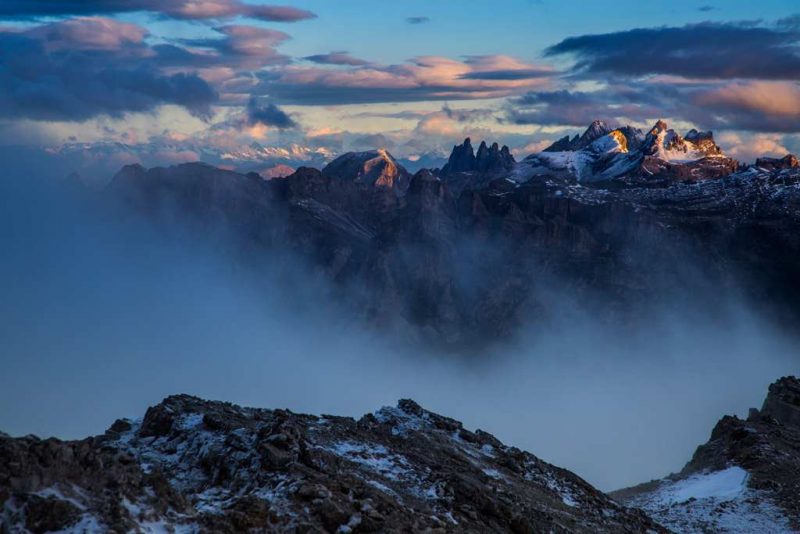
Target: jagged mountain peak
pixel 488 159
pixel 658 127
pixel 596 129
pixel 374 167
pixel 659 157
pixel 666 144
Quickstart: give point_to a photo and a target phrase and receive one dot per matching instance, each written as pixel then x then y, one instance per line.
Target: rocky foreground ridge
pixel 191 465
pixel 465 255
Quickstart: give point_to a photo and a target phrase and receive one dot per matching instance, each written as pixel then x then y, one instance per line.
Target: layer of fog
pixel 100 320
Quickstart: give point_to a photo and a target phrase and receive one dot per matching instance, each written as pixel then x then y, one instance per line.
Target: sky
pixel 108 82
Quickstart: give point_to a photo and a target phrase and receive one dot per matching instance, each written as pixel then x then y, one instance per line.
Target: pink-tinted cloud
pixel 88 33
pixel 422 78
pixel 748 148
pixel 773 99
pixel 179 9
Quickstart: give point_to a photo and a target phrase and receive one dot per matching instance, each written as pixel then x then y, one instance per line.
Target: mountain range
pixel 190 465
pixel 468 254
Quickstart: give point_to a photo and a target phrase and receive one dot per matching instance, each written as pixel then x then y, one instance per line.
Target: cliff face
pixel 199 466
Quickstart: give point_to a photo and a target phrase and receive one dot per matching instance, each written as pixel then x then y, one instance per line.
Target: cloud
pixel 336 58
pixel 756 105
pixel 370 141
pixel 508 74
pixel 179 9
pixel 577 108
pixel 705 9
pixel 423 78
pixel 748 148
pixel 244 46
pixel 88 33
pixel 84 67
pixel 708 50
pixel 268 115
pixel 417 20
pixel 466 115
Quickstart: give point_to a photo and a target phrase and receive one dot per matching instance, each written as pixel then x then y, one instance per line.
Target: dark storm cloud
pixel 757 106
pixel 576 108
pixel 417 20
pixel 269 115
pixel 761 106
pixel 336 58
pixel 370 141
pixel 179 9
pixel 706 50
pixel 508 74
pixel 76 70
pixel 466 115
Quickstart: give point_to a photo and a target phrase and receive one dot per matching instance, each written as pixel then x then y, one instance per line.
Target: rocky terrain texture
pixel 467 255
pixel 191 465
pixel 746 478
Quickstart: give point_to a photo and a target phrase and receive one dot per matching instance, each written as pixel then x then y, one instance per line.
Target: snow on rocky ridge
pixel 191 465
pixel 197 466
pixel 603 154
pixel 745 479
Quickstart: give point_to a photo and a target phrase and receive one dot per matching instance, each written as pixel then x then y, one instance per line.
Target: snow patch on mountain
pixel 717 501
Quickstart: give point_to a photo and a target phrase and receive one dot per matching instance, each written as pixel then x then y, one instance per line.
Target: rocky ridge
pixel 746 478
pixel 623 156
pixel 191 465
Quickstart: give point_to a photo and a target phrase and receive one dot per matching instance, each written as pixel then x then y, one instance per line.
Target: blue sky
pixel 175 80
pixel 519 27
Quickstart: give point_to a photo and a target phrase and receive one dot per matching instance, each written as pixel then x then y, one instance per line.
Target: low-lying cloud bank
pixel 104 315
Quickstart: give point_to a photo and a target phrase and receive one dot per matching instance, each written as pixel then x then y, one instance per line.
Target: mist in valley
pixel 103 315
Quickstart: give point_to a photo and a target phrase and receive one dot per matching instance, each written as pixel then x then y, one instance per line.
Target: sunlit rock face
pixel 192 465
pixel 625 157
pixel 374 167
pixel 744 479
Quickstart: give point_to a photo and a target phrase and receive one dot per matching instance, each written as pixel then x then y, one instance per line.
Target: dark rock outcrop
pixel 489 159
pixel 789 161
pixel 216 467
pixel 462 158
pixel 466 170
pixel 783 402
pixel 746 478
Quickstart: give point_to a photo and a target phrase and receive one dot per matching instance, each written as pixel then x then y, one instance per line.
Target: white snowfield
pixel 717 501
